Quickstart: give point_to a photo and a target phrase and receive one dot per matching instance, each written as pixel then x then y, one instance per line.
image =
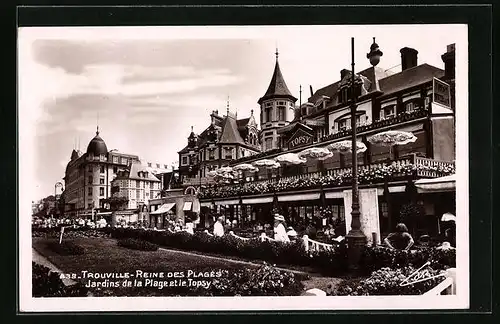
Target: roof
pixel 97 146
pixel 75 154
pixel 277 86
pixel 409 78
pixel 230 132
pixel 135 168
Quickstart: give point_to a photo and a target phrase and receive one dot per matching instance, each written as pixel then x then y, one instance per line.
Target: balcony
pixel 400 118
pixel 409 167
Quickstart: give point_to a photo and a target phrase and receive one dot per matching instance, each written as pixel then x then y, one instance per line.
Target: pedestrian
pixel 219 227
pixel 291 233
pixel 279 229
pixel 400 239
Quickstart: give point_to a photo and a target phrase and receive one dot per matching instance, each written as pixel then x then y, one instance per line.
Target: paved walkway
pixel 230 260
pixel 40 259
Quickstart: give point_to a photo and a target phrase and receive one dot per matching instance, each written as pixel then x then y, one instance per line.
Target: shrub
pixel 48 284
pixel 136 244
pixel 66 248
pixel 388 281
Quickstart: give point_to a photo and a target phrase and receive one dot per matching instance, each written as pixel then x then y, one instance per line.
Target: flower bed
pixel 329 262
pixel 48 284
pixel 387 281
pixel 69 232
pixel 66 248
pixel 374 174
pixel 135 244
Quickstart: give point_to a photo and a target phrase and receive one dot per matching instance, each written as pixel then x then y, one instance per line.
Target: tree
pixel 116 203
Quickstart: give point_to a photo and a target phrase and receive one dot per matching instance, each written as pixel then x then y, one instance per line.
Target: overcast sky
pixel 150 85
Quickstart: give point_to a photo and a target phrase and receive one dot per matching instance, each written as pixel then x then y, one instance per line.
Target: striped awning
pixel 206 204
pixel 258 200
pixel 163 209
pixel 311 196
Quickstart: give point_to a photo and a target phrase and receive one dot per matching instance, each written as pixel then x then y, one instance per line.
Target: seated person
pixel 401 239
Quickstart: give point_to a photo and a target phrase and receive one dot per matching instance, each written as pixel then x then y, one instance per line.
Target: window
pixel 281 113
pixel 102 168
pixel 228 154
pixel 135 184
pixel 89 191
pixel 151 194
pixel 184 160
pixel 268 115
pixel 89 169
pixel 124 161
pixel 137 193
pixel 211 154
pixel 115 159
pixel 151 185
pixel 388 112
pixel 269 143
pixel 281 103
pixel 90 205
pixel 384 209
pixel 115 169
pixel 101 191
pixel 344 95
pixel 427 101
pixel 91 180
pixel 101 181
pixel 268 104
pixel 342 124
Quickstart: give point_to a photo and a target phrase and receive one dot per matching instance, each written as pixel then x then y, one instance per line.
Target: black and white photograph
pixel 279 167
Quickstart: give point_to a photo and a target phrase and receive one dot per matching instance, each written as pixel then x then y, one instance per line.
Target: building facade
pixel 419 99
pixel 89 176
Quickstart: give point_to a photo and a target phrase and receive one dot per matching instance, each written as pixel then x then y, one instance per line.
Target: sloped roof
pixel 230 132
pixel 409 78
pixel 277 86
pixel 135 168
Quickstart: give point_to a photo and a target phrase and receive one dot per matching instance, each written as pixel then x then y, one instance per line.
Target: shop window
pixel 101 191
pixel 269 143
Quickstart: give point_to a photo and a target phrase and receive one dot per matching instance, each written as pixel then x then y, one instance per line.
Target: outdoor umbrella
pixel 317 153
pixel 344 147
pixel 391 138
pixel 448 217
pixel 245 167
pixel 290 158
pixel 270 164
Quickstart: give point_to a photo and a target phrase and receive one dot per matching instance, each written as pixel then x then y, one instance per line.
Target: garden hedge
pixel 48 284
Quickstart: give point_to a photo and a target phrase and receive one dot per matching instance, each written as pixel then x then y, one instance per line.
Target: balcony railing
pixel 408 167
pixel 403 117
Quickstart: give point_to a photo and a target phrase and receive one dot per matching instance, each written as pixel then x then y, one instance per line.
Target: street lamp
pixel 57 185
pixel 356 239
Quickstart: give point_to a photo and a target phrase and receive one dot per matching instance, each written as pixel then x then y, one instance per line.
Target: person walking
pixel 401 239
pixel 279 229
pixel 219 227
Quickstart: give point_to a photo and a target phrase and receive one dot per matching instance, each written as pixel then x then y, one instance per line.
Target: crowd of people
pixel 73 222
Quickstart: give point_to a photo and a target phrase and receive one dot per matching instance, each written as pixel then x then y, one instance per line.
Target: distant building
pixel 89 175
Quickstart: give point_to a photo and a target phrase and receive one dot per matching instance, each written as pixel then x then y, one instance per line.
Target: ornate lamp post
pixel 356 239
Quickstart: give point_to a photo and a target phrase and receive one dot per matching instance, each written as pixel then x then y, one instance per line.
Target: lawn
pixel 104 256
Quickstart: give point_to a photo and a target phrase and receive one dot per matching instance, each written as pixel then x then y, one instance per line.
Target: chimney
pixel 311 89
pixel 408 58
pixel 343 73
pixel 449 62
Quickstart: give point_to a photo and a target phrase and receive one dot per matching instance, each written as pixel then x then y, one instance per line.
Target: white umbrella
pixel 345 147
pixel 390 138
pixel 318 153
pixel 448 217
pixel 224 170
pixel 290 158
pixel 271 164
pixel 245 167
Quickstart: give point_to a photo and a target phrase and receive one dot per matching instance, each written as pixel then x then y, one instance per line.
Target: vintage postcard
pixel 243 168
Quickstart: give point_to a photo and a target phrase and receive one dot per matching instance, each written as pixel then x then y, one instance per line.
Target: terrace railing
pixel 403 168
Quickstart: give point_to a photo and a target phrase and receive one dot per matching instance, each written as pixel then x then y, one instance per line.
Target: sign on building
pixel 300 138
pixel 441 93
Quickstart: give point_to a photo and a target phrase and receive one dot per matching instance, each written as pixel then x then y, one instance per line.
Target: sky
pixel 146 86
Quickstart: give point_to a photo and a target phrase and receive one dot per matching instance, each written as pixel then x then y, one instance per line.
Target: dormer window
pixel 344 95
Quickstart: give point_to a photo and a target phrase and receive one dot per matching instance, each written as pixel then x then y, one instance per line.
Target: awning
pixel 227 202
pixel 163 209
pixel 104 213
pixel 206 204
pixel 259 200
pixel 334 195
pixel 441 184
pixel 187 206
pixel 313 196
pixel 397 189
